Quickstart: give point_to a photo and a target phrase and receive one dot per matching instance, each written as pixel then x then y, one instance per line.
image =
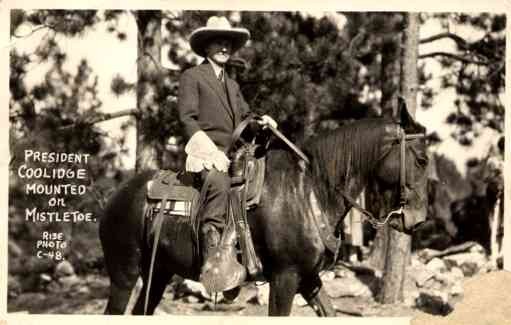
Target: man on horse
pixel 211 106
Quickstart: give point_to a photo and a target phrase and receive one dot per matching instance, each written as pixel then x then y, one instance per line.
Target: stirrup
pixel 221 270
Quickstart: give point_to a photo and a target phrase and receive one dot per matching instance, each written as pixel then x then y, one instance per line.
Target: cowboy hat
pixel 217 27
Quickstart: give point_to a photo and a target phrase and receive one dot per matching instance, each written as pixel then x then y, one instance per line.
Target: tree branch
pixel 169 16
pixel 453 56
pixel 101 118
pixel 33 31
pixel 459 40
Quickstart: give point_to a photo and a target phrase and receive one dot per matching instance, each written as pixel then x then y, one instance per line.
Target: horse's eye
pixel 422 161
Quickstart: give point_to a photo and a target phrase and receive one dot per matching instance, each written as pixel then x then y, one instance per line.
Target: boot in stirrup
pixel 220 271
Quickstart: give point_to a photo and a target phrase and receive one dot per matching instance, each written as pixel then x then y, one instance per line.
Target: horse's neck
pixel 352 189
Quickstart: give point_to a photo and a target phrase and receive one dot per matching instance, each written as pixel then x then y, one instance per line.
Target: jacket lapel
pixel 212 81
pixel 232 96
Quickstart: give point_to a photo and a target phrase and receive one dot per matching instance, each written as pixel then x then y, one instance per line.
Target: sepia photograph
pixel 257 163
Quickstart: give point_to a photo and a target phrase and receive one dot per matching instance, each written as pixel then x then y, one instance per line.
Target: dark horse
pixel 285 226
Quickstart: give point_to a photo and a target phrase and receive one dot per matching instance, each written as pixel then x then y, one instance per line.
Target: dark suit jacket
pixel 204 105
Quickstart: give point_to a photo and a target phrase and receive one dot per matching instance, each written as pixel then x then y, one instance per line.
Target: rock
pixel 45 278
pixel 159 311
pixel 456 290
pixel 191 299
pixel 14 288
pixel 470 263
pixel 327 276
pixel 247 294
pixel 415 261
pixel 478 249
pixel 444 279
pixel 194 288
pixel 434 302
pixel 84 290
pixel 436 265
pixel 469 269
pixel 411 298
pixel 421 275
pixel 457 274
pixel 68 282
pixel 342 272
pixel 425 255
pixel 343 287
pixel 222 307
pixel 259 295
pixel 299 301
pixel 63 269
pixel 433 284
pixel 53 287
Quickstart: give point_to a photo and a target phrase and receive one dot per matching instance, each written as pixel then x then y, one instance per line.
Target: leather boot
pixel 211 240
pixel 220 271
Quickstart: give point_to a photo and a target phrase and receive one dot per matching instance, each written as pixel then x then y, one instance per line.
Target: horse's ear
pixel 406 120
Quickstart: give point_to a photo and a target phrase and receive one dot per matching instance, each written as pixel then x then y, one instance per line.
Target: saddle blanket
pixel 177 208
pixel 179 189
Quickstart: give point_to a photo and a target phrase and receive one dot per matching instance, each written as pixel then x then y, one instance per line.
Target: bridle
pixel 403 199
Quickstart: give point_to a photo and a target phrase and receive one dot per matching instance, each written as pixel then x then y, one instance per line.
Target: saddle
pixel 183 188
pixel 178 195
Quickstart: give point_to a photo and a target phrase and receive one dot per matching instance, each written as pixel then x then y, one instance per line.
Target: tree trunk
pixel 389 87
pixel 379 249
pixel 398 252
pixel 148 71
pixel 410 54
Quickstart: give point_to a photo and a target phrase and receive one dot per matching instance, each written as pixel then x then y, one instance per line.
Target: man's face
pixel 219 50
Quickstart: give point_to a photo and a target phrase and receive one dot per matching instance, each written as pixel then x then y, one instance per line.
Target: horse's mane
pixel 347 153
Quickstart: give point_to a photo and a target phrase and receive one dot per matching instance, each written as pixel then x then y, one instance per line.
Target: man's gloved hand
pixel 220 161
pixel 267 120
pixel 203 153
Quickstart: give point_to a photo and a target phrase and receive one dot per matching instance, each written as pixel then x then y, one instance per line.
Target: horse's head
pixel 401 175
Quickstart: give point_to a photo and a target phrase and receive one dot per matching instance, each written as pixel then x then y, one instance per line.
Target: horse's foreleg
pixel 314 293
pixel 283 287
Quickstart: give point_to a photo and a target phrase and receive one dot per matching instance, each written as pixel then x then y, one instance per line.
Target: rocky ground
pixel 438 284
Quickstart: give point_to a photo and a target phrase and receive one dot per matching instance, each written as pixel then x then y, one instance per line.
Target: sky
pixel 109 57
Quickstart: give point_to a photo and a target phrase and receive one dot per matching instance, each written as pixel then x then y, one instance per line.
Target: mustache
pixel 223 51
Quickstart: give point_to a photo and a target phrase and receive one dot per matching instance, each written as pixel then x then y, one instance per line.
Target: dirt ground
pixel 486 301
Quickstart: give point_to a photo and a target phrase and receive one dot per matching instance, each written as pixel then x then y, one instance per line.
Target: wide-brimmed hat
pixel 217 27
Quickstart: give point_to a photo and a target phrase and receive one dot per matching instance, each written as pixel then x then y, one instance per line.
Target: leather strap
pixel 355 205
pixel 157 225
pixel 236 135
pixel 289 144
pixel 326 232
